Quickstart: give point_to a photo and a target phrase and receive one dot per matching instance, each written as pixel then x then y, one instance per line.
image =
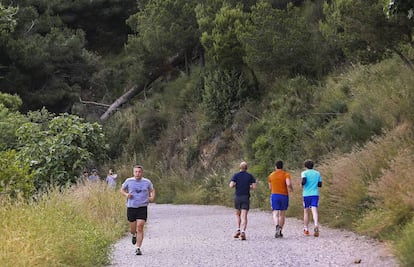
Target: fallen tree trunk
pixel 172 62
pixel 120 101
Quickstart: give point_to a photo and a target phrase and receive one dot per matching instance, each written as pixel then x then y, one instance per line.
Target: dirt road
pixel 191 235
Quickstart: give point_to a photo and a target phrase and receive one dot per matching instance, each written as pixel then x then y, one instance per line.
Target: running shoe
pixel 242 236
pixel 237 234
pixel 138 251
pixel 316 232
pixel 134 239
pixel 305 232
pixel 277 234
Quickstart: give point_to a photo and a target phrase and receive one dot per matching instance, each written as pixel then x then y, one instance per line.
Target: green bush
pixel 10 121
pixel 15 177
pixel 11 102
pixel 224 92
pixel 215 189
pixel 58 153
pixel 152 126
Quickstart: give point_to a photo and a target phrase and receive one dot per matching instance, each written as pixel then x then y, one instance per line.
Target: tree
pixel 219 37
pixel 47 70
pixel 363 32
pixel 7 18
pixel 46 60
pixel 103 21
pixel 404 7
pixel 403 12
pixel 284 42
pixel 163 29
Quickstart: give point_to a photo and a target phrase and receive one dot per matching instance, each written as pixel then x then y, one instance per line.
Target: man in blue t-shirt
pixel 243 182
pixel 311 181
pixel 139 191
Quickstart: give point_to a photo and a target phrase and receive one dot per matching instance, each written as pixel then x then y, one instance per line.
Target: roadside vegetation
pixel 83 220
pixel 212 83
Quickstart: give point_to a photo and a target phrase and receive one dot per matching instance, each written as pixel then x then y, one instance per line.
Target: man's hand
pixel 151 197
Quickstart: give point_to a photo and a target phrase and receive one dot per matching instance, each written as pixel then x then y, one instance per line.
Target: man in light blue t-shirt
pixel 139 191
pixel 311 181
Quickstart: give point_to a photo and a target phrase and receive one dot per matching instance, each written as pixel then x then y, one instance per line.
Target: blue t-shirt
pixel 312 178
pixel 140 191
pixel 110 179
pixel 93 178
pixel 243 181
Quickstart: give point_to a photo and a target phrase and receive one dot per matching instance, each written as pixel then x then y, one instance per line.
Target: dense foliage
pixel 60 148
pixel 40 149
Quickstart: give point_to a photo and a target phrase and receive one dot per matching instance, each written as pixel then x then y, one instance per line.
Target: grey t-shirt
pixel 140 191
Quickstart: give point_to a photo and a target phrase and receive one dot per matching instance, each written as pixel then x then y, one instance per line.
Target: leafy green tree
pixel 15 176
pixel 58 150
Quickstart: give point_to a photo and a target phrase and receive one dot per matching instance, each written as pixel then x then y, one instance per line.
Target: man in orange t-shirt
pixel 279 184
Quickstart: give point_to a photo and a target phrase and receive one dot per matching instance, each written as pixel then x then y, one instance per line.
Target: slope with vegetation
pixel 194 87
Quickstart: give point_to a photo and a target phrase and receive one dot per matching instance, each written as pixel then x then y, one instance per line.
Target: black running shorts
pixel 242 202
pixel 134 214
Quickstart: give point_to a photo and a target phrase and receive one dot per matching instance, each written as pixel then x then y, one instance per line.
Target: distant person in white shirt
pixel 111 178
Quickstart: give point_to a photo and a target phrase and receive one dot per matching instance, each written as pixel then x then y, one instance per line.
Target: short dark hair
pixel 309 164
pixel 279 164
pixel 138 166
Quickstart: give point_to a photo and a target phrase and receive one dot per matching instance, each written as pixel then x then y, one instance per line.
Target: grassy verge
pixel 74 227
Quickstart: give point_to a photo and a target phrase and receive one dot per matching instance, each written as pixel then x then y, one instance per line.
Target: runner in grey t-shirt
pixel 139 191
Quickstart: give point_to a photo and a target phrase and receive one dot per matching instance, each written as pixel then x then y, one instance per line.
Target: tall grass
pixel 393 196
pixel 405 245
pixel 72 227
pixel 348 178
pixel 370 190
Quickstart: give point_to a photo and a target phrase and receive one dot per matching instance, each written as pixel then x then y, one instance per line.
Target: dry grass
pixel 74 227
pixel 405 245
pixel 349 179
pixel 393 194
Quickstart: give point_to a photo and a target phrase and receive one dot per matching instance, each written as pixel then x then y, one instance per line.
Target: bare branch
pixel 93 103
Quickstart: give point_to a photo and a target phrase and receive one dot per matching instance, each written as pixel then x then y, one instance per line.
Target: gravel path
pixel 192 235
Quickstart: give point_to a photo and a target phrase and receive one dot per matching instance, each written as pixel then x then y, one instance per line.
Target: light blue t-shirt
pixel 140 191
pixel 111 180
pixel 312 178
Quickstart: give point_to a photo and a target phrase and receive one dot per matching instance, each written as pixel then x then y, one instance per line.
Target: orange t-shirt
pixel 277 179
